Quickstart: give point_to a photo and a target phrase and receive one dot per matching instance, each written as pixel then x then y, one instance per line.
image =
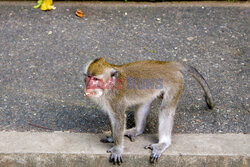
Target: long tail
pixel 187 68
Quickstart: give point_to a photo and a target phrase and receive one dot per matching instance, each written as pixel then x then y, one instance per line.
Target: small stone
pixel 50 32
pixel 190 38
pixel 158 19
pixel 184 59
pixel 125 13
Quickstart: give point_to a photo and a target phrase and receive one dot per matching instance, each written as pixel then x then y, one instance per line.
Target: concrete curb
pixel 79 149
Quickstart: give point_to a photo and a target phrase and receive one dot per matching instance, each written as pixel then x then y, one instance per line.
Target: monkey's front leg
pixel 118 124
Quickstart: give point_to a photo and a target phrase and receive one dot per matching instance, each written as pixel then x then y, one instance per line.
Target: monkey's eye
pixel 95 79
pixel 88 77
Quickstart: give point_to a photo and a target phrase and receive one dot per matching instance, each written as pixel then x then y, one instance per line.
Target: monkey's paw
pixel 131 134
pixel 115 155
pixel 157 150
pixel 108 139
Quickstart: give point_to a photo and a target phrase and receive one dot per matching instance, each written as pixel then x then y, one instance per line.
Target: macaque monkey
pixel 117 87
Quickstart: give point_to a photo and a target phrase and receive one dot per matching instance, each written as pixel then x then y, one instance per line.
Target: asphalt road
pixel 42 55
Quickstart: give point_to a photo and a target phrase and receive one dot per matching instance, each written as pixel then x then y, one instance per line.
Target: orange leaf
pixel 79 13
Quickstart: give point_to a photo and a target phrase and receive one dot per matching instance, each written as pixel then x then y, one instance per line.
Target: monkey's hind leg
pixel 140 121
pixel 166 120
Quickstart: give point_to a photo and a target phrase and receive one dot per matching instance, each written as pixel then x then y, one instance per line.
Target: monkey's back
pixel 143 73
pixel 150 69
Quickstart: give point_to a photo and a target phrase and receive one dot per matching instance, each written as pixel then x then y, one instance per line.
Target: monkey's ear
pixel 114 74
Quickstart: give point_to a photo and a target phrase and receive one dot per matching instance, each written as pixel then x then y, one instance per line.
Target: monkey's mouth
pixel 89 94
pixel 93 92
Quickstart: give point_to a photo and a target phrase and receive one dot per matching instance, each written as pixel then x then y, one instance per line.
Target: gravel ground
pixel 42 55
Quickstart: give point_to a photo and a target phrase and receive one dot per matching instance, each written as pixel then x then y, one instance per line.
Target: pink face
pixel 93 87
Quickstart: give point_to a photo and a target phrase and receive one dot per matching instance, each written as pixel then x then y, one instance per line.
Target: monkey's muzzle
pixel 89 92
pixel 93 92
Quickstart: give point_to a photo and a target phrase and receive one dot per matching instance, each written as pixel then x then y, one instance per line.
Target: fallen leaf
pixel 79 13
pixel 152 51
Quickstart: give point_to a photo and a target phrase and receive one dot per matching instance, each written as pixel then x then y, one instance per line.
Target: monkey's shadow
pixel 86 118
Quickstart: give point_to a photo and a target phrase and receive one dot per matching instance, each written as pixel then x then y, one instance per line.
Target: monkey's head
pixel 100 77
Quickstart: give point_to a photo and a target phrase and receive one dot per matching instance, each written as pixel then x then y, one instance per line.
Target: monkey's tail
pixel 194 72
